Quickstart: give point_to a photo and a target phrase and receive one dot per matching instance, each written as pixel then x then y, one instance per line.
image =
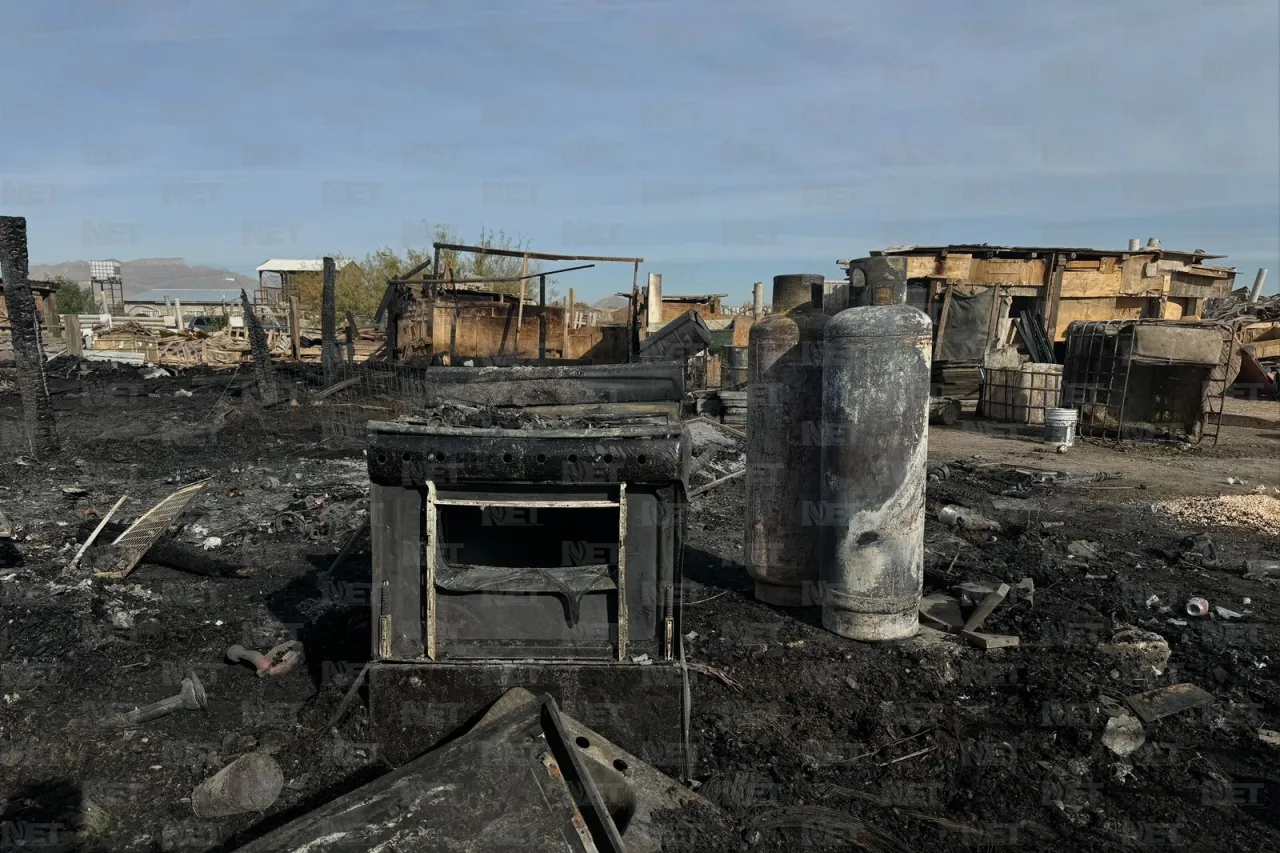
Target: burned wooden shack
pixel 983 298
pixel 46 301
pixel 433 317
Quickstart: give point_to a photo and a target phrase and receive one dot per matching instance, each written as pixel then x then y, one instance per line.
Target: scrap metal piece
pixel 941 611
pixel 147 530
pixel 251 783
pixel 190 698
pixel 75 561
pixel 682 338
pixel 488 791
pixel 1164 701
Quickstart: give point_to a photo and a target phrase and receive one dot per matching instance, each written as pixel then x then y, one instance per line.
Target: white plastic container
pixel 1060 426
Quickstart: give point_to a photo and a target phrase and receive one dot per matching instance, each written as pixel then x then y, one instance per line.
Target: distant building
pixel 167 304
pixel 278 278
pixel 984 298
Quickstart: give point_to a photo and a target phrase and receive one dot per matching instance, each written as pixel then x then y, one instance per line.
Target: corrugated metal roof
pixel 301 265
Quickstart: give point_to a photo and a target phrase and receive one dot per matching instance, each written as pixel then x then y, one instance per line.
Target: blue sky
pixel 725 142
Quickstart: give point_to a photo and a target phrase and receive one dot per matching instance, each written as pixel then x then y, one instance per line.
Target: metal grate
pixel 137 540
pixel 1022 394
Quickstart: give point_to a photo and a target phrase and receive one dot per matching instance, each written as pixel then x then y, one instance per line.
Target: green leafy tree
pixel 361 286
pixel 74 298
pixel 472 265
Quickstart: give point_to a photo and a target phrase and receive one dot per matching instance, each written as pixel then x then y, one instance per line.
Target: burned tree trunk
pixel 28 353
pixel 329 322
pixel 261 353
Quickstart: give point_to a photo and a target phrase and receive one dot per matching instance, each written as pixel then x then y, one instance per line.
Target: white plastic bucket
pixel 1060 426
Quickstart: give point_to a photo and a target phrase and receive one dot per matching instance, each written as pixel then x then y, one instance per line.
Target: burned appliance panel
pixel 522 544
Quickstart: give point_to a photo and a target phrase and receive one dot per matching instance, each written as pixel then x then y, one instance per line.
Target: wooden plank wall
pixel 1107 288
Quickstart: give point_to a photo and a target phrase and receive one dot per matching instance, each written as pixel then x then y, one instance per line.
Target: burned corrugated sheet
pixel 682 338
pixel 518 784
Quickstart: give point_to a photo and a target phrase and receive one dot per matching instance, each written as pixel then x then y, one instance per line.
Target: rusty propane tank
pixel 784 413
pixel 875 422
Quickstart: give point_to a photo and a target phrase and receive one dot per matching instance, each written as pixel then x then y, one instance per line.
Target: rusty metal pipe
pixel 190 698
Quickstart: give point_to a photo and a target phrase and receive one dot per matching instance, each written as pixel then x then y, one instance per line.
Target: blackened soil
pixel 930 745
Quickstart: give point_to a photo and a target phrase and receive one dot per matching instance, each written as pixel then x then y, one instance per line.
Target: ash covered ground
pixel 818 743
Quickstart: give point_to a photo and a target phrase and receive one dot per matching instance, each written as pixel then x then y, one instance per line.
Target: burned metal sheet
pixel 518 783
pixel 134 543
pixel 406 453
pixel 1164 701
pixel 570 385
pixel 684 337
pixel 651 795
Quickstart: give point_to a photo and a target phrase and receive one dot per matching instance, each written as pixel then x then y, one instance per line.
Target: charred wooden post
pixel 28 354
pixel 72 334
pixel 261 352
pixel 453 320
pixel 633 317
pixel 51 324
pixel 568 318
pixel 328 321
pixel 351 338
pixel 524 273
pixel 542 316
pixel 295 329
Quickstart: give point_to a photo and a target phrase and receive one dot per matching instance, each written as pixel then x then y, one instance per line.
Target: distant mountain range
pixel 146 274
pixel 611 303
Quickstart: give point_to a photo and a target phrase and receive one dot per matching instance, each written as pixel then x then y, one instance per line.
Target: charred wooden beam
pixel 328 321
pixel 536 256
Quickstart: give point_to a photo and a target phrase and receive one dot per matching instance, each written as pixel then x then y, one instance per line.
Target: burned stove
pixel 548 559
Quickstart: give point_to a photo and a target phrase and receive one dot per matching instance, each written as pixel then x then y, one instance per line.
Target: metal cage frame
pixel 1098 367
